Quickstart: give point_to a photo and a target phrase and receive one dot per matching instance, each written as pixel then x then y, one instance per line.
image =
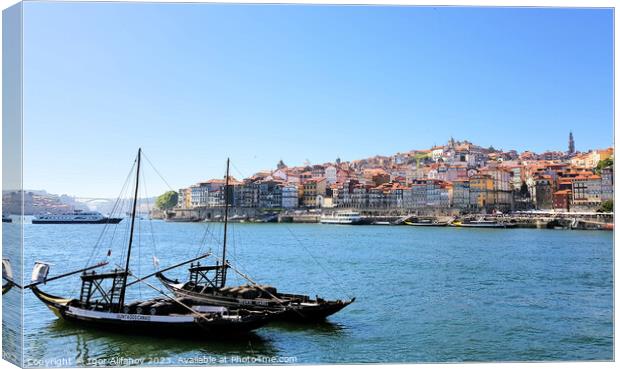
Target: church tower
pixel 571 144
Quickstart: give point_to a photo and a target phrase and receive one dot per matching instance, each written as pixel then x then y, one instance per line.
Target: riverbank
pixel 534 219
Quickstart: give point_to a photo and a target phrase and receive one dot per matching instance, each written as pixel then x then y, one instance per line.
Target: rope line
pixel 334 280
pixel 156 171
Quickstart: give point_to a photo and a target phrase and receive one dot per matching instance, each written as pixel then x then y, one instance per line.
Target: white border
pixel 488 3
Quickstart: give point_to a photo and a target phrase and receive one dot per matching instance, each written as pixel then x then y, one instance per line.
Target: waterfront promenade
pixel 523 219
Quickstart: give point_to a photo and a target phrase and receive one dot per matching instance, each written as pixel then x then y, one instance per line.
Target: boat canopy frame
pixel 200 274
pixel 93 290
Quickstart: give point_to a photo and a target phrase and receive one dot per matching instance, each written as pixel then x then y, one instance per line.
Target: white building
pixel 290 198
pixel 199 196
pixel 331 174
pixel 607 184
pixel 280 174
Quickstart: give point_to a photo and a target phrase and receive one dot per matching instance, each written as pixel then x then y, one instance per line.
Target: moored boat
pixel 289 307
pixel 342 217
pixel 207 285
pixel 481 223
pixel 6 218
pixel 163 317
pixel 102 301
pixel 425 222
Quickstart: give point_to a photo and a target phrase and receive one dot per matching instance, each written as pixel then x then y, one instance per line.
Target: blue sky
pixel 195 83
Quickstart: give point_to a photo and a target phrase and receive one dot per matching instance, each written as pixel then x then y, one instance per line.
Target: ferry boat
pixel 76 217
pixel 481 223
pixel 342 217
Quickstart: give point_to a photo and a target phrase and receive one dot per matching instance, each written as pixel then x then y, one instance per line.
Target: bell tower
pixel 571 144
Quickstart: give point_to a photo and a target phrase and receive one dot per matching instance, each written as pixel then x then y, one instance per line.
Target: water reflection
pixel 93 344
pixel 89 346
pixel 325 328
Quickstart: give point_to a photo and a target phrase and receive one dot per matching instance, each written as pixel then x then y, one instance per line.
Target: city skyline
pixel 299 83
pixel 237 173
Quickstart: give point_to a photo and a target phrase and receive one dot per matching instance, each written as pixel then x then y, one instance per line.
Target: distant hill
pixel 40 201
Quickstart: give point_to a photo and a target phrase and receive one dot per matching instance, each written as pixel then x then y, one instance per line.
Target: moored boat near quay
pixel 481 223
pixel 342 217
pixel 207 285
pixel 102 301
pixel 425 222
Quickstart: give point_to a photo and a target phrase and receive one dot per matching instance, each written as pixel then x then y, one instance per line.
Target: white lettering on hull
pixel 77 312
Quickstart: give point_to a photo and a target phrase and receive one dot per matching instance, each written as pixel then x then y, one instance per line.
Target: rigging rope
pixel 118 203
pixel 119 199
pixel 194 312
pixel 336 282
pixel 148 208
pixel 156 171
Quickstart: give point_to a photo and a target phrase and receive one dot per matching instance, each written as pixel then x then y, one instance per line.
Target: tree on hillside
pixel 167 201
pixel 603 164
pixel 607 206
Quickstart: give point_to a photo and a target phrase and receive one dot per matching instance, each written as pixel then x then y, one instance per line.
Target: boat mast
pixel 224 263
pixel 121 300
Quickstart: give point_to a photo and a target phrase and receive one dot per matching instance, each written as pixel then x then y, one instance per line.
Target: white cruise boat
pixel 76 217
pixel 342 217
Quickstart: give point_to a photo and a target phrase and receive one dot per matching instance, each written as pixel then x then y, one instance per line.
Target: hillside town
pixel 456 177
pixel 37 202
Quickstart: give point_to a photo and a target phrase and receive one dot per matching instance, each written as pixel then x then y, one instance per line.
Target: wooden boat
pixel 289 307
pixel 7 276
pixel 163 317
pixel 207 285
pixel 101 303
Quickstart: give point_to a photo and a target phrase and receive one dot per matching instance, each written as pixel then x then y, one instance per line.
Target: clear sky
pixel 195 83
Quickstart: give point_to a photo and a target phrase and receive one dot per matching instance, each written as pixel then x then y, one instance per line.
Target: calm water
pixel 423 294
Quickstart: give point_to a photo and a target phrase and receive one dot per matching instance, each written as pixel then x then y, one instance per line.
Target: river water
pixel 423 294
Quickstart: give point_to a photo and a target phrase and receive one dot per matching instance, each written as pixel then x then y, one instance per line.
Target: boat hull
pixel 193 328
pixel 415 224
pixel 100 221
pixel 6 287
pixel 162 325
pixel 284 312
pixel 344 222
pixel 483 225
